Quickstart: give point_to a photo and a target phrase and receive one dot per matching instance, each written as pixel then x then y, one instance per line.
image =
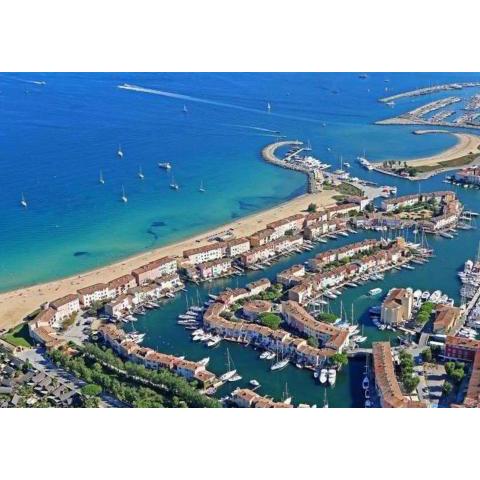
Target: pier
pixel 268 154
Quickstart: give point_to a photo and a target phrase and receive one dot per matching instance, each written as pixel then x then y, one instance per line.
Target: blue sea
pixel 56 136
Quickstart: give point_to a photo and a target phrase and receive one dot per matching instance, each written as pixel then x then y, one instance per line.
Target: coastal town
pixel 287 318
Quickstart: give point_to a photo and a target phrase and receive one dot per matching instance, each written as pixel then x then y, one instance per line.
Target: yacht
pixel 436 295
pixel 417 294
pixel 332 376
pixel 204 361
pixel 185 109
pixel 425 295
pixel 230 373
pixel 264 355
pixel 444 298
pixel 124 197
pixel 368 403
pixel 173 184
pixel 201 188
pixel 140 174
pixel 323 375
pixel 214 341
pixel 365 382
pixel 235 378
pixel 100 178
pixel 23 202
pixel 254 383
pixel 280 365
pixel 165 165
pixel 120 152
pixel 374 291
pixel 269 107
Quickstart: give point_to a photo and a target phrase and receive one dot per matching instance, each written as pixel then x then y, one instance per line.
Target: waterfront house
pixel 95 293
pixel 144 293
pixel 293 224
pixel 291 276
pixel 46 317
pixel 169 282
pixel 460 348
pixel 388 388
pixel 65 306
pixel 469 175
pixel 205 253
pixel 237 246
pixel 342 209
pixel 445 318
pixel 301 293
pixel 120 305
pixel 153 270
pixel 257 254
pixel 263 237
pixel 397 306
pixel 214 268
pixel 258 286
pixel 313 218
pixel 246 398
pixel 121 285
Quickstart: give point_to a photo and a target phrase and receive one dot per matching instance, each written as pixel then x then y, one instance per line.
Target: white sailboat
pixel 23 202
pixel 124 197
pixel 230 373
pixel 100 178
pixel 140 174
pixel 269 107
pixel 280 364
pixel 120 151
pixel 332 376
pixel 185 109
pixel 202 188
pixel 323 375
pixel 287 399
pixel 173 184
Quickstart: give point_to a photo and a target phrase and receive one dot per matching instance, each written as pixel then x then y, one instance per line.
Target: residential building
pixel 293 224
pixel 459 348
pixel 121 285
pixel 95 293
pixel 214 268
pixel 445 318
pixel 254 308
pixel 397 306
pixel 237 247
pixel 153 270
pixel 120 305
pixel 205 253
pixel 258 286
pixel 65 306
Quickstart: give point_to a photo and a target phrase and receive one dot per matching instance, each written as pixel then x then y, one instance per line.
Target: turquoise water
pixel 55 138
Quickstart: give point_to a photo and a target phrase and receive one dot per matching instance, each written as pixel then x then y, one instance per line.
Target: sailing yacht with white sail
pixel 231 372
pixel 100 178
pixel 140 174
pixel 173 184
pixel 120 151
pixel 23 202
pixel 202 188
pixel 124 197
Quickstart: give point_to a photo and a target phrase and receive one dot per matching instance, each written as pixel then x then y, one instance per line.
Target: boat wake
pixel 252 127
pixel 180 96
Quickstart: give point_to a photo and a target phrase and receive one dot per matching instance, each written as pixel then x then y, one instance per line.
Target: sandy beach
pixel 467 143
pixel 16 304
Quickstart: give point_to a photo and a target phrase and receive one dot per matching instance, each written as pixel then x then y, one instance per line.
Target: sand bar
pixel 16 304
pixel 467 143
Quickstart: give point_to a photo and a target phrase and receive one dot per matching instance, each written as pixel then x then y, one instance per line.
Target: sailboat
pixel 325 399
pixel 287 399
pixel 185 109
pixel 280 364
pixel 23 202
pixel 202 188
pixel 269 107
pixel 120 152
pixel 100 178
pixel 230 373
pixel 366 381
pixel 173 184
pixel 124 197
pixel 140 174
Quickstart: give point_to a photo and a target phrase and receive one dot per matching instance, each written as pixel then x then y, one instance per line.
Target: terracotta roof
pixel 59 302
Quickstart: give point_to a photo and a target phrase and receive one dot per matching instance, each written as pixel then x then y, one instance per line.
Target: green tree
pixel 410 383
pixel 457 375
pixel 312 341
pixel 449 368
pixel 427 355
pixel 270 320
pixel 91 390
pixel 326 317
pixel 339 359
pixel 312 207
pixel 447 388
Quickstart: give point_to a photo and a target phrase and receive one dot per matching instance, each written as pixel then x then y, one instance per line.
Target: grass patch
pixel 19 336
pixel 349 189
pixel 455 162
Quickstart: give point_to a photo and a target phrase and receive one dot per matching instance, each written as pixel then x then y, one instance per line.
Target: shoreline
pixel 16 304
pixel 467 144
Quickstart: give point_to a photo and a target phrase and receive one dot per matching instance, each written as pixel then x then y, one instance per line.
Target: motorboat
pixel 425 295
pixel 234 378
pixel 332 376
pixel 365 382
pixel 254 383
pixel 323 375
pixel 374 291
pixel 417 294
pixel 204 361
pixel 436 295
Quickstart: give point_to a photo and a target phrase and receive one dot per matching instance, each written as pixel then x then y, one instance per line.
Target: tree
pixel 447 388
pixel 339 359
pixel 91 390
pixel 457 375
pixel 326 317
pixel 270 320
pixel 312 341
pixel 410 383
pixel 427 355
pixel 449 368
pixel 289 232
pixel 312 207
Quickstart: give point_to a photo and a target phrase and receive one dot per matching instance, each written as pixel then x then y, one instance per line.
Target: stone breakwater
pixel 268 154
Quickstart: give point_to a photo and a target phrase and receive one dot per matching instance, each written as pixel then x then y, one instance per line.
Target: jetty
pixel 268 154
pixel 429 90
